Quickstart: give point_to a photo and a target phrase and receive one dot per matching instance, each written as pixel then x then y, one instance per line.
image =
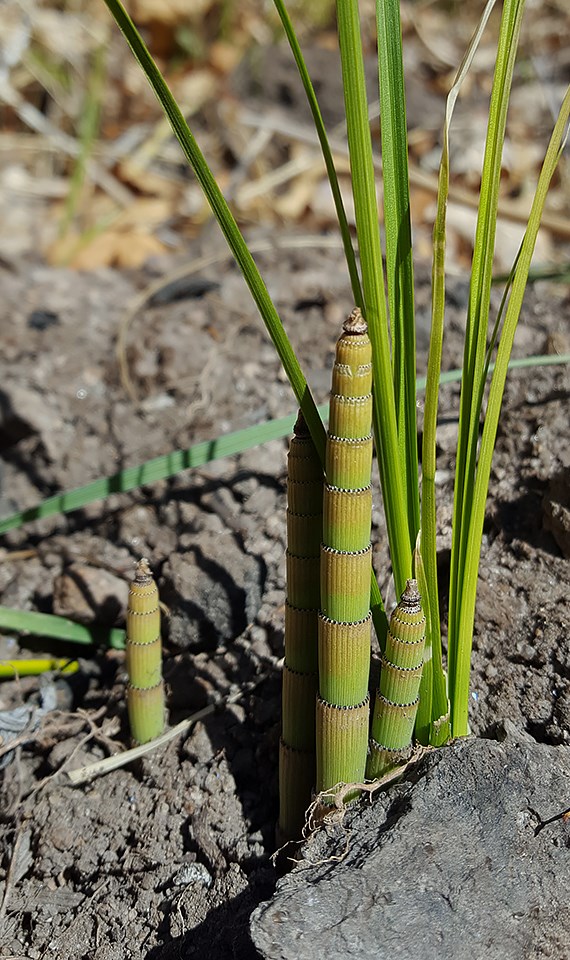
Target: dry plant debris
pixel 90 175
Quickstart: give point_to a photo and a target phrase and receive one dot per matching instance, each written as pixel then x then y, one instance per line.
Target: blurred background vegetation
pixel 90 175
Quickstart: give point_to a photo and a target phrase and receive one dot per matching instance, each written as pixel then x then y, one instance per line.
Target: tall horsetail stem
pixel 145 693
pixel 304 534
pixel 397 696
pixel 344 619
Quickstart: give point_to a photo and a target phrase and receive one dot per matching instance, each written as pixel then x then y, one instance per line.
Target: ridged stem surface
pixel 300 684
pixel 344 621
pixel 145 693
pixel 400 676
pixel 342 735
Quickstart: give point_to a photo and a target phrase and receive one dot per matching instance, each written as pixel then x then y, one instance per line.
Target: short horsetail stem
pixel 145 694
pixel 304 534
pixel 344 619
pixel 397 697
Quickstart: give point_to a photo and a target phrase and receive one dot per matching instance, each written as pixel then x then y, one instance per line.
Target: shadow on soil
pixel 224 934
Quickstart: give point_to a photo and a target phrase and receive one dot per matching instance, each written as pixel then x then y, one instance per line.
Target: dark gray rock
pixel 464 863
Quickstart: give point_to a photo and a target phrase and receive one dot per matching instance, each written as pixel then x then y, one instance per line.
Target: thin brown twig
pixel 10 874
pixel 15 555
pixel 32 117
pixel 101 767
pixel 49 727
pixel 320 814
pixel 508 209
pixel 95 733
pixel 335 797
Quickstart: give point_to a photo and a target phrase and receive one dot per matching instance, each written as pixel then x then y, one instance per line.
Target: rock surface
pixel 472 860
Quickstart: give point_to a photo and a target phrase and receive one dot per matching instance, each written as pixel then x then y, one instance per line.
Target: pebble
pixel 193 873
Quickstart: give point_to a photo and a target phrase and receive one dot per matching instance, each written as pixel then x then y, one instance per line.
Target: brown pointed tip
pixel 301 429
pixel 355 324
pixel 143 573
pixel 411 596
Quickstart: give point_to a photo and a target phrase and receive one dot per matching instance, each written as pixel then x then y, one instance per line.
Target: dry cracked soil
pixel 168 857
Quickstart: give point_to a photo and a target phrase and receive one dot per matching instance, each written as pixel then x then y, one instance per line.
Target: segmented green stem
pixel 304 534
pixel 344 620
pixel 145 693
pixel 397 697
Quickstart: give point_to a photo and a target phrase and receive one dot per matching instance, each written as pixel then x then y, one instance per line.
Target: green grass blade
pixel 226 221
pixel 478 313
pixel 463 640
pixel 521 363
pixel 559 274
pixel 425 708
pixel 438 699
pixel 171 464
pixel 326 150
pixel 399 263
pixel 497 325
pixel 366 209
pixel 88 132
pixel 159 468
pixel 59 628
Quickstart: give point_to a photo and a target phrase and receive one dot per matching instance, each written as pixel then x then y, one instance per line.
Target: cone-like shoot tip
pixel 355 324
pixel 411 597
pixel 143 572
pixel 301 429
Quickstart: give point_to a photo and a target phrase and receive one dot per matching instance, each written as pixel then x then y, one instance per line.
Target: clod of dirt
pixel 471 860
pixel 214 590
pixel 89 594
pixel 556 508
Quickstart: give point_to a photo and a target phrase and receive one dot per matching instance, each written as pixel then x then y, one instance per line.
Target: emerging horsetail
pixel 344 625
pixel 397 697
pixel 344 619
pixel 145 694
pixel 304 534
